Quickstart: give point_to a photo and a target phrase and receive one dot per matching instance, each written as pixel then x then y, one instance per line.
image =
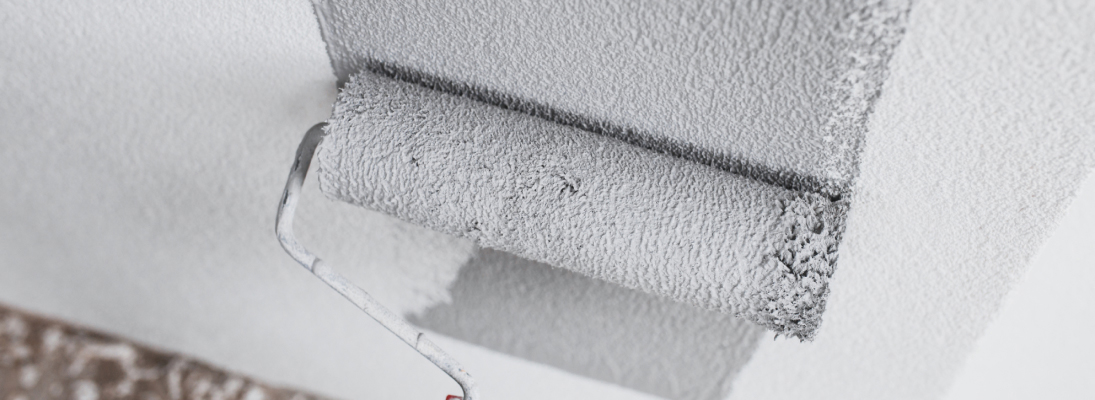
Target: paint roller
pixel 555 193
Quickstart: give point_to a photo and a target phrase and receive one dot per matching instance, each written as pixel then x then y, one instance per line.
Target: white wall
pixel 146 145
pixel 982 134
pixel 1039 346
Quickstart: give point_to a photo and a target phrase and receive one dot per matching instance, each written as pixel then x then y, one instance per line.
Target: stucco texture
pixel 982 135
pixel 775 90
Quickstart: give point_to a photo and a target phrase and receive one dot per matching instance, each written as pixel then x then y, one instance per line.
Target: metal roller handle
pixel 284 229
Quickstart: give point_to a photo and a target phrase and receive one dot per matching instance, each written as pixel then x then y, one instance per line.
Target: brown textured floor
pixel 42 358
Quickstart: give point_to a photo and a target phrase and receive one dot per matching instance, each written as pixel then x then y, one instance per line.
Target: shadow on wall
pixel 593 328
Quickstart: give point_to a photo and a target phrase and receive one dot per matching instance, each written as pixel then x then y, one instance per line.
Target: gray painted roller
pixel 583 201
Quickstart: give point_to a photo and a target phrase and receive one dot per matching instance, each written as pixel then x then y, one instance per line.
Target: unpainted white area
pixel 146 146
pixel 1039 346
pixel 781 85
pixel 981 136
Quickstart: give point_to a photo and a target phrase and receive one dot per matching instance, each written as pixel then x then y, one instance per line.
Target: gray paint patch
pixel 775 90
pixel 593 328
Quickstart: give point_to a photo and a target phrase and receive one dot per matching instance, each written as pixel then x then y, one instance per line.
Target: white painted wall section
pixel 145 147
pixel 982 135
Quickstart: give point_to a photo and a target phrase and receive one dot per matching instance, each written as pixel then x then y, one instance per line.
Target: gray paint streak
pixel 775 90
pixel 582 201
pixel 594 328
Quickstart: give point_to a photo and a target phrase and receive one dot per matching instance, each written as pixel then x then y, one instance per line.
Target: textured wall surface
pixel 1039 345
pixel 146 146
pixel 774 89
pixel 982 135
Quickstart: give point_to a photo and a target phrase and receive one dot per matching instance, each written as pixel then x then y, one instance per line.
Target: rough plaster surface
pixel 775 90
pixel 593 328
pixel 982 135
pixel 583 201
